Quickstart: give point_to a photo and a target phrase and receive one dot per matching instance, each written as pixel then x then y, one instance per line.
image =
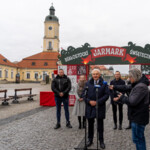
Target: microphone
pixel 105 82
pixel 97 86
pixel 86 90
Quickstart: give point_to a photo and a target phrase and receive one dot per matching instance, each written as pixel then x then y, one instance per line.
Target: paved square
pixel 27 126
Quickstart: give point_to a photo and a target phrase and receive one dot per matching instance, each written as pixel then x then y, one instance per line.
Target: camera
pixel 117 92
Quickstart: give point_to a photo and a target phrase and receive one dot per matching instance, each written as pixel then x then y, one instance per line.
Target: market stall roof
pixel 130 54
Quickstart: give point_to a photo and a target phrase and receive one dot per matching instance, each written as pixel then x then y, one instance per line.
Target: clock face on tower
pixel 50 28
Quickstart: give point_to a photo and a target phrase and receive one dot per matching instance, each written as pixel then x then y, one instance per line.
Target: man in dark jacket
pixel 61 86
pixel 138 101
pixel 127 89
pixel 117 81
pixel 90 99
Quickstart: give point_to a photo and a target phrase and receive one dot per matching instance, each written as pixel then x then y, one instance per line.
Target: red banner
pixel 72 99
pixel 148 76
pixel 71 70
pixel 108 51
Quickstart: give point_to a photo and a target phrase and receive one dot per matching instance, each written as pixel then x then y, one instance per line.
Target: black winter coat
pixel 128 88
pixel 113 93
pixel 103 95
pixel 138 101
pixel 61 84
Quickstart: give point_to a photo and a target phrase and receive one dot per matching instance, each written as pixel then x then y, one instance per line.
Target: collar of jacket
pixel 59 77
pixel 142 80
pixel 100 81
pixel 117 80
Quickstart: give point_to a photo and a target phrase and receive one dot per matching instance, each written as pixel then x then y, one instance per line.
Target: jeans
pixel 59 101
pixel 138 136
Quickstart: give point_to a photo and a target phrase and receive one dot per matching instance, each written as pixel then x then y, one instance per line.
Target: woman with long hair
pixel 79 107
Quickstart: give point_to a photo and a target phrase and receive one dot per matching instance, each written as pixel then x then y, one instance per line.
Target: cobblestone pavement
pixel 27 126
pixel 35 132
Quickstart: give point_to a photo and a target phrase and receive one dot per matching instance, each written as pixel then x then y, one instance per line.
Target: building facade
pixel 35 68
pixel 8 70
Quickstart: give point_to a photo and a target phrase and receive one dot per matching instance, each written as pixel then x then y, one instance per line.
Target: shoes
pixel 68 125
pixel 57 126
pixel 79 120
pixel 80 126
pixel 129 127
pixel 102 145
pixel 89 143
pixel 115 126
pixel 120 127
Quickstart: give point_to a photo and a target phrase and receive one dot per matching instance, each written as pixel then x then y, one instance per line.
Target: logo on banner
pixel 108 51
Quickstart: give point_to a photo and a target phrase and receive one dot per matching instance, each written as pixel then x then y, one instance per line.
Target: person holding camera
pixel 90 99
pixel 127 89
pixel 61 86
pixel 113 93
pixel 138 101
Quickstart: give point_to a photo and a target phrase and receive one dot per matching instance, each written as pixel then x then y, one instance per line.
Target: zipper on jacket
pixel 59 85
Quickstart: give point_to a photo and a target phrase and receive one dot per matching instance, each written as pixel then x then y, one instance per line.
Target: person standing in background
pixel 61 86
pixel 113 94
pixel 79 107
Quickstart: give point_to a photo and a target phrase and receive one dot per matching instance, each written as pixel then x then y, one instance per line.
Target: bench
pixel 4 98
pixel 16 97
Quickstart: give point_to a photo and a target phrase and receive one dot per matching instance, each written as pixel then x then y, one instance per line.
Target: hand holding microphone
pixel 111 87
pixel 118 97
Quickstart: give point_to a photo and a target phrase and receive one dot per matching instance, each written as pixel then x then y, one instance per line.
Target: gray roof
pixel 111 68
pixel 51 18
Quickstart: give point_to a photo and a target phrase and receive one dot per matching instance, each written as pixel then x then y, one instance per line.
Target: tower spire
pixel 52 10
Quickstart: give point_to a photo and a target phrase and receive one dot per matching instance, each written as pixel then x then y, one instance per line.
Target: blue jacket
pixel 103 95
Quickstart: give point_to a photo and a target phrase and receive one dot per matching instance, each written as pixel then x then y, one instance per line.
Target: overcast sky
pixel 98 22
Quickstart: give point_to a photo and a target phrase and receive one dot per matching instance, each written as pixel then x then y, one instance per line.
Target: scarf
pixel 80 88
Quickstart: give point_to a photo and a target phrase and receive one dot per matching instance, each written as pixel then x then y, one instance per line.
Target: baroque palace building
pixel 34 68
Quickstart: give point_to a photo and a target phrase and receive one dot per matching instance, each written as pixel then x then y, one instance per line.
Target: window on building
pixel 33 63
pixel 0 73
pixel 45 64
pixel 36 75
pixel 5 60
pixel 28 75
pixel 12 74
pixel 6 73
pixel 50 45
pixel 56 32
pixel 44 75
